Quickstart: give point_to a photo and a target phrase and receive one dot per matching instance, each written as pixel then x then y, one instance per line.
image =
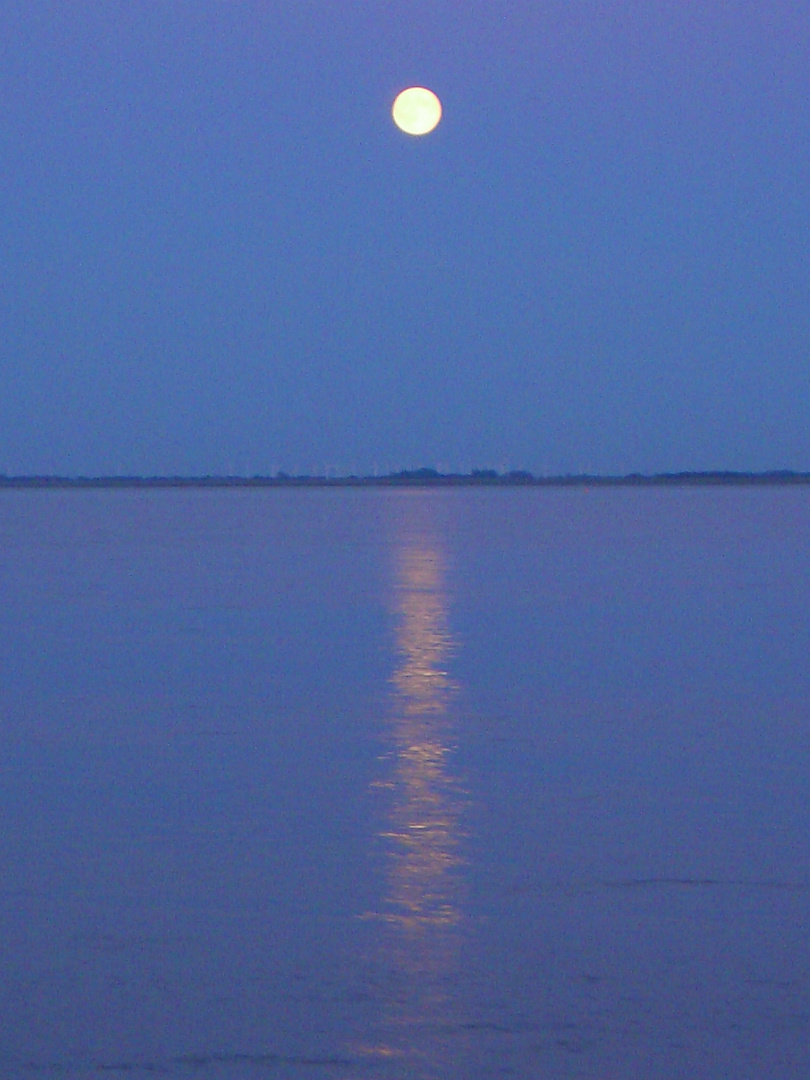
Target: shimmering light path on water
pixel 454 784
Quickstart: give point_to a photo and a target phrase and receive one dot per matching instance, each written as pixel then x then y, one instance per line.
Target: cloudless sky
pixel 217 253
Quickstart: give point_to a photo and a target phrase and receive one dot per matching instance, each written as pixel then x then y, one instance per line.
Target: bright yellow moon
pixel 416 111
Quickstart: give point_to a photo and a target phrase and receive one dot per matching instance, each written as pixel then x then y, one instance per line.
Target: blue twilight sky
pixel 217 253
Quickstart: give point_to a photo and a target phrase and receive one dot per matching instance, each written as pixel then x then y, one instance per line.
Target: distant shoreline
pixel 417 478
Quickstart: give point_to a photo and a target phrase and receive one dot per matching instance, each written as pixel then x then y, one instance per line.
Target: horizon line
pixel 423 477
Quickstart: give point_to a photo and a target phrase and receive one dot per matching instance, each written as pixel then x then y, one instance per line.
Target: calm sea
pixel 405 785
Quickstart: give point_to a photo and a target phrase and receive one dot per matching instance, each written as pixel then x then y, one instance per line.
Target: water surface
pixel 405 784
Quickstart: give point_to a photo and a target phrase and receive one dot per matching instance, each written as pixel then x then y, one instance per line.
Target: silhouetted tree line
pixel 424 477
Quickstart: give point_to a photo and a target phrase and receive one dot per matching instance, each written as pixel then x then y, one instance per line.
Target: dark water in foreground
pixel 455 784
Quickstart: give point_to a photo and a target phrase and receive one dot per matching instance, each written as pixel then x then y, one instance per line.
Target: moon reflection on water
pixel 421 913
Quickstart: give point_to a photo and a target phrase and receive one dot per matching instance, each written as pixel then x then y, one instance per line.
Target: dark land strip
pixel 420 478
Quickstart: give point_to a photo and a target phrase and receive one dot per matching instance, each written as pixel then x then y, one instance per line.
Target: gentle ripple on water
pixel 405 784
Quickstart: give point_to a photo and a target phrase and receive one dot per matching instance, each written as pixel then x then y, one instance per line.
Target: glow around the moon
pixel 416 111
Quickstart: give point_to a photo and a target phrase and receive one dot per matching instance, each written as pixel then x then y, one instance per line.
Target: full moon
pixel 416 111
